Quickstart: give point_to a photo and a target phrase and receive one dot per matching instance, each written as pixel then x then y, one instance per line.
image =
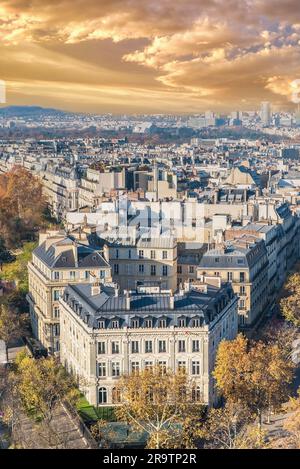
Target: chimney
pixel 96 289
pixel 171 300
pixel 127 300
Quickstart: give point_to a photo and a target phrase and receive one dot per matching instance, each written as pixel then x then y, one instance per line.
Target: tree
pixel 12 325
pixel 159 403
pixel 290 305
pixel 43 384
pixel 230 427
pixel 22 205
pixel 253 373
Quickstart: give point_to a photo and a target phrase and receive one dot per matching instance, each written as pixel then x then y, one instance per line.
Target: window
pixel 162 346
pixel 102 273
pixel 195 345
pixel 148 346
pixel 115 347
pixel 242 290
pixel 179 269
pixel 229 276
pixel 217 259
pixel 87 275
pixel 56 312
pixel 165 254
pixel 102 370
pixel 134 346
pixel 102 396
pixel 163 366
pixel 196 322
pixel 141 254
pixel 242 276
pixel 129 253
pixel 101 324
pixel 148 365
pixel 195 368
pixel 153 269
pixel 181 322
pixel 181 366
pixel 135 323
pixel 117 253
pixel 135 366
pixel 242 304
pixel 196 394
pixel 56 275
pixel 115 369
pixel 115 324
pixel 148 323
pixel 101 347
pixel 152 254
pixel 116 269
pixel 56 329
pixel 181 345
pixel 116 395
pixel 72 275
pixel 165 270
pixel 141 268
pixel 191 269
pixel 162 323
pixel 56 295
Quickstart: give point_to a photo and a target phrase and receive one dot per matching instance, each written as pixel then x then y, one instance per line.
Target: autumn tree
pixel 290 304
pixel 43 385
pixel 22 205
pixel 253 373
pixel 159 403
pixel 230 427
pixel 12 325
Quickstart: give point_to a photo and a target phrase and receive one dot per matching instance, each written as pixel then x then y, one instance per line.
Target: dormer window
pixel 181 322
pixel 101 324
pixel 135 323
pixel 148 323
pixel 162 322
pixel 196 322
pixel 115 324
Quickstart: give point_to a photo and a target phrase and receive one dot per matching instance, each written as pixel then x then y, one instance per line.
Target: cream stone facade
pixel 57 262
pixel 104 335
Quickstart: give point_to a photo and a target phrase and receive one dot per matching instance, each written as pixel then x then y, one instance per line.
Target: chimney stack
pixel 127 300
pixel 171 300
pixel 96 289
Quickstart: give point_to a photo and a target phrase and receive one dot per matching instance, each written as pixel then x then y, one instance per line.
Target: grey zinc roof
pixel 86 256
pixel 108 306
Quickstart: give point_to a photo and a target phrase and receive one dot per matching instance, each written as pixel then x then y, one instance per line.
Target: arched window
pixel 102 396
pixel 116 395
pixel 196 394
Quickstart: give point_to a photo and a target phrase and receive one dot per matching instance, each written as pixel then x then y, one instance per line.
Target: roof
pixel 108 305
pixel 74 255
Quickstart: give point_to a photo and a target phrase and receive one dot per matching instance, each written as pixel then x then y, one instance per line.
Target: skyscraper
pixel 265 113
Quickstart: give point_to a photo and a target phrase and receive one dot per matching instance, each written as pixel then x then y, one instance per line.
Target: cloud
pixel 204 51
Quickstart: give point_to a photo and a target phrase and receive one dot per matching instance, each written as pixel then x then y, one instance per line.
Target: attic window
pixel 64 259
pixel 94 258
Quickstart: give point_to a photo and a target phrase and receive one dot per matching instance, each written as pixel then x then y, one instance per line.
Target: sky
pixel 146 56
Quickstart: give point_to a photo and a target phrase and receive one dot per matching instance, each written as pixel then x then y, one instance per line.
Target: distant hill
pixel 29 111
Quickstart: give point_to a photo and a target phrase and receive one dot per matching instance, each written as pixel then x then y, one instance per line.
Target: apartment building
pixel 60 186
pixel 105 335
pixel 59 260
pixel 138 255
pixel 244 263
pixel 271 236
pixel 95 183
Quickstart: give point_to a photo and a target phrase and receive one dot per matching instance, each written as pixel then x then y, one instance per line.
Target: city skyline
pixel 149 57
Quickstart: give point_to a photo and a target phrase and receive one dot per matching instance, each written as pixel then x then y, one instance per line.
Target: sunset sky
pixel 146 56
